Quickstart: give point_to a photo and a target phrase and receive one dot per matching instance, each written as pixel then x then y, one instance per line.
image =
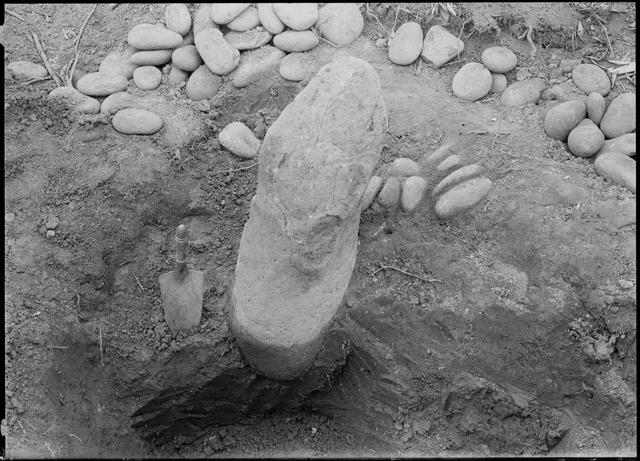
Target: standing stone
pixel 269 19
pixel 620 117
pixel 405 44
pixel 499 59
pixel 440 46
pixel 596 106
pixel 472 82
pixel 217 54
pixel 521 93
pixel 563 117
pixel 177 18
pixel 340 23
pixel 298 248
pixel 298 16
pixel 590 78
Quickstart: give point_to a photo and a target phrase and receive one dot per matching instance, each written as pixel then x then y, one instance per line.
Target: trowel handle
pixel 181 249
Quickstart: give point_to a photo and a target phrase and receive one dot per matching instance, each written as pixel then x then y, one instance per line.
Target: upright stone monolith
pixel 298 248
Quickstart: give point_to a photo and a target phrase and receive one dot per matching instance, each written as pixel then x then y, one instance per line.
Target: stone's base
pixel 272 360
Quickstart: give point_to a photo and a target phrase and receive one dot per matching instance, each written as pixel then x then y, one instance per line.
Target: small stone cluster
pixel 437 47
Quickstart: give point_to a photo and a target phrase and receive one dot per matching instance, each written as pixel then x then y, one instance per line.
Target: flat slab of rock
pixel 524 92
pixel 564 117
pixel 26 70
pixel 298 248
pixel 472 82
pixel 620 116
pixel 462 197
pixel 340 23
pixel 239 140
pixel 202 84
pixel 153 37
pixel 440 46
pixel 625 144
pixel 590 78
pixel 296 67
pixel 567 91
pixel 136 121
pixel 75 100
pixel 405 44
pixel 255 65
pixel 248 40
pixel 102 84
pixel 618 168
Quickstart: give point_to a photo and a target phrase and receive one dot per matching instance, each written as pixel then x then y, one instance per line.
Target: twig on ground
pixel 496 136
pixel 58 347
pixel 46 16
pixel 405 273
pixel 606 33
pixel 113 6
pixel 462 29
pixel 43 56
pixel 75 59
pixel 100 329
pixel 73 435
pixel 46 445
pixel 377 20
pixel 238 169
pixel 530 40
pixel 40 79
pixel 14 14
pixel 324 39
pixel 380 229
pixel 31 425
pixel 139 284
pixel 21 427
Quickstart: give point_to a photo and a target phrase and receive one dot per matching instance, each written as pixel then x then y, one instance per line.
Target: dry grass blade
pixel 377 20
pixel 77 46
pixel 405 273
pixel 14 14
pixel 43 56
pixel 238 169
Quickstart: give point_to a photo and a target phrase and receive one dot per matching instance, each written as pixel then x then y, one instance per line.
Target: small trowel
pixel 182 289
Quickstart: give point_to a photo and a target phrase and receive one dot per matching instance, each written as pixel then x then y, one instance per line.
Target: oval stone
pixel 403 167
pixel 625 144
pixel 248 40
pixel 499 59
pixel 203 84
pixel 373 187
pixel 585 139
pixel 147 77
pixel 102 84
pixel 217 54
pixel 224 13
pixel 618 168
pixel 151 58
pixel 136 121
pixel 202 19
pixel 186 58
pixel 620 116
pixel 296 67
pixel 596 106
pixel 448 163
pixel 461 174
pixel 75 100
pixel 239 140
pixel 340 23
pixel 119 63
pixel 292 40
pixel 563 117
pixel 462 197
pixel 177 18
pixel 298 16
pixel 177 76
pixel 26 70
pixel 498 83
pixel 269 19
pixel 405 44
pixel 590 78
pixel 247 20
pixel 472 82
pixel 390 193
pixel 412 193
pixel 147 37
pixel 257 64
pixel 117 102
pixel 524 92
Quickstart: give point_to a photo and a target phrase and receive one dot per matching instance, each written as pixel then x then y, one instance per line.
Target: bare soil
pixel 523 342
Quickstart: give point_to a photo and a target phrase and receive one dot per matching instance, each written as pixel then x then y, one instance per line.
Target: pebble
pixel 50 234
pixel 590 78
pixel 147 77
pixel 218 55
pixel 499 59
pixel 202 19
pixel 625 284
pixel 177 76
pixel 458 176
pixel 596 106
pixel 625 144
pixel 102 84
pixel 72 98
pixel 136 121
pixel 462 197
pixel 403 167
pixel 567 91
pixel 619 168
pixel 118 62
pixel 373 187
pixel 448 163
pixel 296 67
pixel 224 13
pixel 256 64
pixel 412 193
pixel 440 46
pixel 239 140
pixel 248 40
pixel 340 23
pixel 567 65
pixel 177 18
pixel 151 58
pixel 297 16
pixel 620 116
pixel 145 37
pixel 498 83
pixel 440 153
pixel 202 84
pixel 9 217
pixel 186 58
pixel 25 70
pixel 245 21
pixel 390 193
pixel 472 82
pixel 521 93
pixel 294 41
pixel 117 102
pixel 52 222
pixel 563 117
pixel 585 139
pixel 405 44
pixel 269 19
